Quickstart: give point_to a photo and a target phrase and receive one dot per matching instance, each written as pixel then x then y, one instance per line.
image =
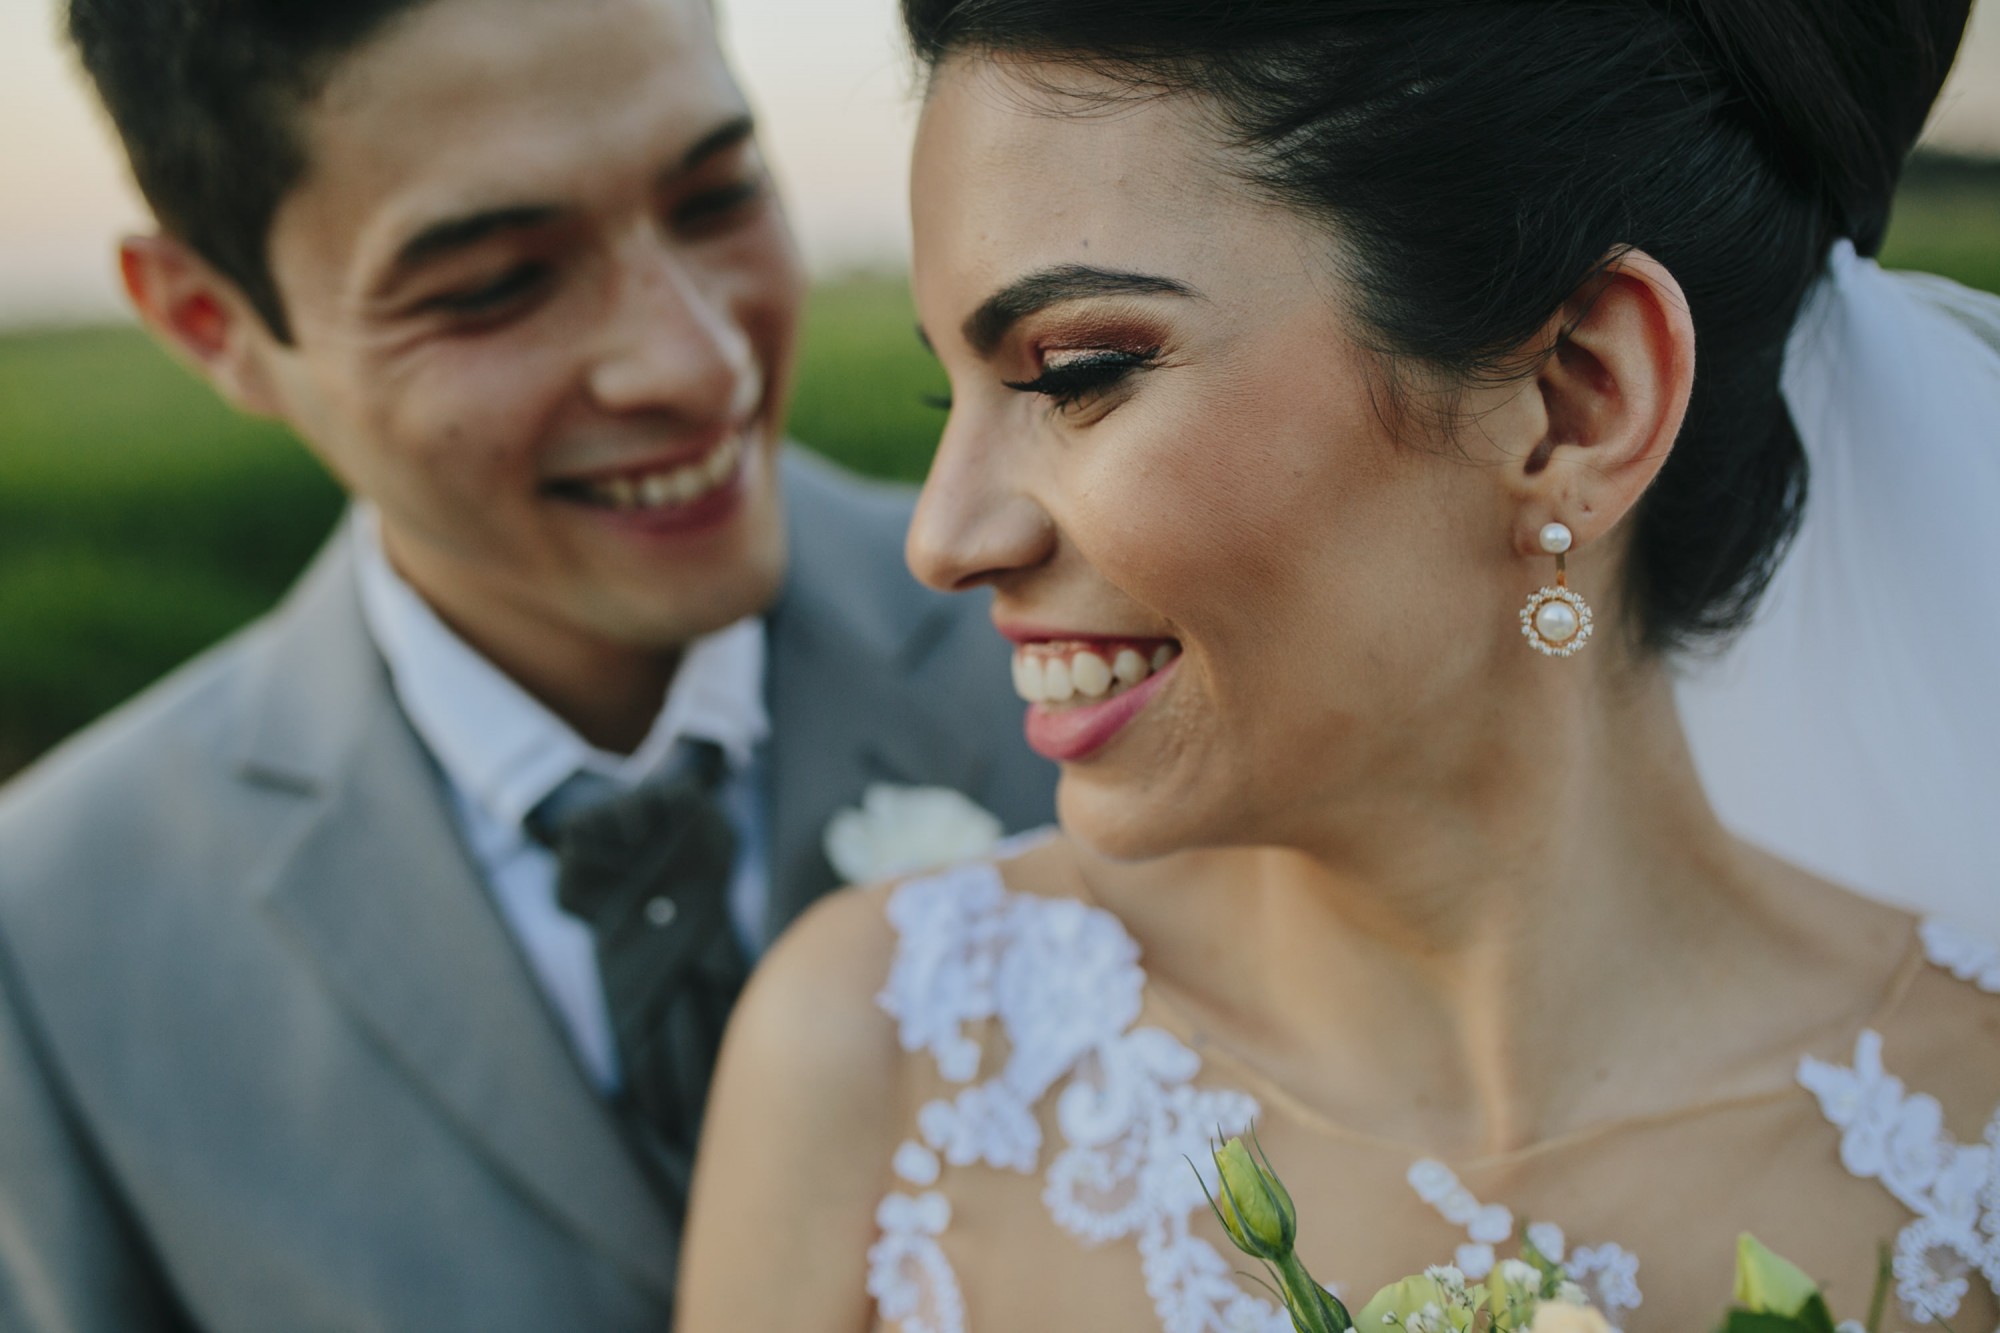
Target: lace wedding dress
pixel 1059 1108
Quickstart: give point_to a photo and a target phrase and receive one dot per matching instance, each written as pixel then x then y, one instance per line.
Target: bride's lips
pixel 1083 691
pixel 1076 732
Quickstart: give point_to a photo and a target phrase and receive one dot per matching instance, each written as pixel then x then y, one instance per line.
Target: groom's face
pixel 543 302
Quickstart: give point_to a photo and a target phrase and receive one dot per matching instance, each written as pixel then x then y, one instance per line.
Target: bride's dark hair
pixel 1479 160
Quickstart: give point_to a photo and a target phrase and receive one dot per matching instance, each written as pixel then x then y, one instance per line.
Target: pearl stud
pixel 1556 622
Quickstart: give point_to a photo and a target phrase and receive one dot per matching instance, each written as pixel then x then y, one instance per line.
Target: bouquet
pixel 1531 1294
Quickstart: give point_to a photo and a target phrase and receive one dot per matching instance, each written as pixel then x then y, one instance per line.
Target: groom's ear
pixel 1607 402
pixel 201 316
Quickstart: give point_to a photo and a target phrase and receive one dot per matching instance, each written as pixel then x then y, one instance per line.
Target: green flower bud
pixel 1769 1284
pixel 1254 1207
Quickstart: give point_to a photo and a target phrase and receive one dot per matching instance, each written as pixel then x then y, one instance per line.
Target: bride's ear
pixel 1607 402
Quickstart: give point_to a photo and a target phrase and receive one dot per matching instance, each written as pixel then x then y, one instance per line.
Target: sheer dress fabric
pixel 1055 1102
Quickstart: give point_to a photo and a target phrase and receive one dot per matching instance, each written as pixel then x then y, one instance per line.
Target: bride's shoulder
pixel 1935 1039
pixel 819 1005
pixel 1948 1015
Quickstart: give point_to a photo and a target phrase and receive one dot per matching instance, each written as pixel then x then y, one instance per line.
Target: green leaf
pixel 1768 1283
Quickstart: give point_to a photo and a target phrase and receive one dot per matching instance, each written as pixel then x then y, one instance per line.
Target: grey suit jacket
pixel 269 1059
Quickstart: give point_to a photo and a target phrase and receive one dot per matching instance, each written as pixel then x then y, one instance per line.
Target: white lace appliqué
pixel 1608 1274
pixel 1063 981
pixel 1963 954
pixel 1899 1139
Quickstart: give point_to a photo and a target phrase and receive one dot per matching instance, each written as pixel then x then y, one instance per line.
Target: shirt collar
pixel 500 747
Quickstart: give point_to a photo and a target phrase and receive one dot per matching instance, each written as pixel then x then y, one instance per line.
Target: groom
pixel 366 974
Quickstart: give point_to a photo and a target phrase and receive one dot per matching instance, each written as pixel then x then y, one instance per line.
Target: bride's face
pixel 1170 456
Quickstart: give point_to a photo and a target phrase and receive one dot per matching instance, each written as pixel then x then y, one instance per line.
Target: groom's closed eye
pixel 516 284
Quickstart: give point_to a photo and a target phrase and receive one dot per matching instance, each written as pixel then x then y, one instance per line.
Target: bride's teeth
pixel 683 484
pixel 1028 678
pixel 623 493
pixel 1052 674
pixel 1090 674
pixel 655 490
pixel 1057 687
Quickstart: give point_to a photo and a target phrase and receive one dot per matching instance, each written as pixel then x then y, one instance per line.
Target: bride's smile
pixel 1083 691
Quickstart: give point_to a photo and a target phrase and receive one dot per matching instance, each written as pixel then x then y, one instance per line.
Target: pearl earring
pixel 1556 622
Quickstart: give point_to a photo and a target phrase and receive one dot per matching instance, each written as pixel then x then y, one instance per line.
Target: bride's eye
pixel 1068 379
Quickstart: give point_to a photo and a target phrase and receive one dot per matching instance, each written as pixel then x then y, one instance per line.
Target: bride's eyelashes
pixel 1069 378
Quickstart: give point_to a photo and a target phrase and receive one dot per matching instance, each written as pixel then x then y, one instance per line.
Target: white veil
pixel 1854 727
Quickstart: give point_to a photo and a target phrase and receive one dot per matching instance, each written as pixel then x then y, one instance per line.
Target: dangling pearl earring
pixel 1556 621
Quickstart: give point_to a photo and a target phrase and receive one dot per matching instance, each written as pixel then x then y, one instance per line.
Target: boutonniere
pixel 900 831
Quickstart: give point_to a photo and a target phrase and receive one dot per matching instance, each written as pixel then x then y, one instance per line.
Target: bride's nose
pixel 973 525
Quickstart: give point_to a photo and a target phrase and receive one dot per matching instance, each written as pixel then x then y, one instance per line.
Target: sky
pixel 828 78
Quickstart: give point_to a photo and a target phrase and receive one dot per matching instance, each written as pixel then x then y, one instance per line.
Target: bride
pixel 1360 408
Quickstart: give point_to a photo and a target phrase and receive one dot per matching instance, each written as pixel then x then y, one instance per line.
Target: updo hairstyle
pixel 1479 160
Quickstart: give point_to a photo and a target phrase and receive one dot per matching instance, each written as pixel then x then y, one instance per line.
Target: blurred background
pixel 140 520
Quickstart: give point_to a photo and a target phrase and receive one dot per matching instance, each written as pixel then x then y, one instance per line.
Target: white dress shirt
pixel 502 753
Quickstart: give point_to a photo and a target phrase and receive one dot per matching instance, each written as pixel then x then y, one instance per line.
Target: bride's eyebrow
pixel 986 326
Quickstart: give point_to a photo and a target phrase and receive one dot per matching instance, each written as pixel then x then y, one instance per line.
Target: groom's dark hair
pixel 207 96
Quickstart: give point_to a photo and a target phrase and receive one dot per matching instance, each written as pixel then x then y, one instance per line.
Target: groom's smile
pixel 542 300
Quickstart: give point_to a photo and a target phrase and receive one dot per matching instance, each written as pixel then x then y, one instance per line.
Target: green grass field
pixel 141 520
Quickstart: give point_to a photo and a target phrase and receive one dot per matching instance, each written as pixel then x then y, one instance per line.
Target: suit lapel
pixel 378 893
pixel 845 712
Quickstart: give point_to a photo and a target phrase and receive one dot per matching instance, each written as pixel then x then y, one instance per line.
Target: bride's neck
pixel 1496 950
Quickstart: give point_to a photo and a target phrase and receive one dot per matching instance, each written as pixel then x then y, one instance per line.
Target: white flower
pixel 901 830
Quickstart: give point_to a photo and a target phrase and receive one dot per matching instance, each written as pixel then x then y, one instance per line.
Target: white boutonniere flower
pixel 902 830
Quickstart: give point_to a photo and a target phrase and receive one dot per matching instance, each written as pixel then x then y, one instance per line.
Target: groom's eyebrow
pixel 986 326
pixel 458 233
pixel 441 238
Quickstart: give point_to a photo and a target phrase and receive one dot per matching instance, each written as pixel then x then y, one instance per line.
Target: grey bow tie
pixel 648 870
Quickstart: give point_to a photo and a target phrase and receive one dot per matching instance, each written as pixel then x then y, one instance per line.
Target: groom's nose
pixel 974 524
pixel 672 341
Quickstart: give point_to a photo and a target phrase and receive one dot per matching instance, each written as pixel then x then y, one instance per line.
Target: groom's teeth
pixel 1091 674
pixel 671 487
pixel 1053 673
